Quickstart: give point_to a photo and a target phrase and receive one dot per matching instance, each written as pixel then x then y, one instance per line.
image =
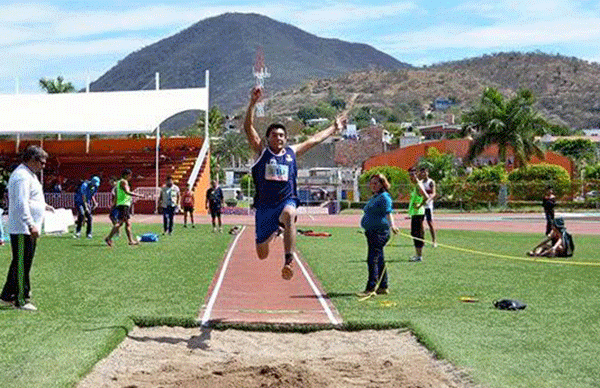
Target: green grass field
pixel 87 295
pixel 87 292
pixel 554 342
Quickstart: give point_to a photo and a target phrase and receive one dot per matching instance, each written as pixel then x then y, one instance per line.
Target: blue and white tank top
pixel 274 177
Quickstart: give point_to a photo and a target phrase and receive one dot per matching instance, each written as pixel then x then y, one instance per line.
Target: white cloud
pixel 345 12
pixel 559 24
pixel 26 13
pixel 50 50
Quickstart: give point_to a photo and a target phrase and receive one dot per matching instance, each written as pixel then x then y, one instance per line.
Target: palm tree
pixel 56 86
pixel 231 149
pixel 510 124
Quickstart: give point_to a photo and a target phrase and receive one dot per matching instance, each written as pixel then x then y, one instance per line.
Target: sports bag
pixel 149 237
pixel 509 304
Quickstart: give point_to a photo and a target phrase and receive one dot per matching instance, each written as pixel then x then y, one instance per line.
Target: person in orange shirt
pixel 187 202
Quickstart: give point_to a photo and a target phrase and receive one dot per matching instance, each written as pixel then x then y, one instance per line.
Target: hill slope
pixel 226 45
pixel 567 89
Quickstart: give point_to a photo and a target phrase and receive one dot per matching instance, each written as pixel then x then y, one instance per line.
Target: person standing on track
pixel 214 203
pixel 274 174
pixel 416 211
pixel 85 203
pixel 430 192
pixel 549 203
pixel 123 209
pixel 187 201
pixel 26 207
pixel 377 222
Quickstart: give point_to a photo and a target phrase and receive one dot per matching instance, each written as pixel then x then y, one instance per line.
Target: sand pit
pixel 177 357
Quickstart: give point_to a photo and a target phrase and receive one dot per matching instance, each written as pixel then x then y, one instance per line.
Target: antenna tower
pixel 260 73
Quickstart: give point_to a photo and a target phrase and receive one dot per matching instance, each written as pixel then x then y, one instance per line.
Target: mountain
pixel 227 46
pixel 567 89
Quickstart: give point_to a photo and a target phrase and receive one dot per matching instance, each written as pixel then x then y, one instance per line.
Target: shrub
pixel 398 178
pixel 247 185
pixel 592 171
pixel 231 202
pixel 530 182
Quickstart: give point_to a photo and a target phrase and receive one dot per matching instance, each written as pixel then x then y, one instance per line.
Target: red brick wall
pixel 408 156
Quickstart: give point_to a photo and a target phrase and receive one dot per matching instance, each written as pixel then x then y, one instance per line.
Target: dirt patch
pixel 177 357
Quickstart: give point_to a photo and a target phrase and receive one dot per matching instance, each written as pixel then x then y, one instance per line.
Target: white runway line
pixel 213 296
pixel 318 294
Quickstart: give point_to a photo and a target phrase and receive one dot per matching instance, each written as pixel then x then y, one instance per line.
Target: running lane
pixel 246 289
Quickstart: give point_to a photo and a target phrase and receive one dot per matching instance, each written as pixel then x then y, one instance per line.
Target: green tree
pixel 56 86
pixel 230 148
pixel 579 149
pixel 439 164
pixel 398 178
pixel 247 185
pixel 509 124
pixel 592 171
pixel 530 182
pixel 215 122
pixel 307 113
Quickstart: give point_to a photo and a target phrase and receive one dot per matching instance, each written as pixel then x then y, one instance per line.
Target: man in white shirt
pixel 26 207
pixel 169 201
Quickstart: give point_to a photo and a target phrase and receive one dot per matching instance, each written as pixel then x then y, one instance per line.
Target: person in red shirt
pixel 187 201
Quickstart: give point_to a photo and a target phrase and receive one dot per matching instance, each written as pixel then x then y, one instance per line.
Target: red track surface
pixel 246 289
pixel 495 222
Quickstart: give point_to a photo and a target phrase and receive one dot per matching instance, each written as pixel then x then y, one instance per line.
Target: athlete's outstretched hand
pixel 256 95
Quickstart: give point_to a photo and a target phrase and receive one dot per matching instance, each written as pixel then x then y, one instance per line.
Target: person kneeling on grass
pixel 558 243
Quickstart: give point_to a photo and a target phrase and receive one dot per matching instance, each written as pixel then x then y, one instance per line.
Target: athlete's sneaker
pixel 287 272
pixel 415 259
pixel 27 307
pixel 365 293
pixel 435 244
pixel 382 291
pixel 76 235
pixel 108 242
pixel 89 236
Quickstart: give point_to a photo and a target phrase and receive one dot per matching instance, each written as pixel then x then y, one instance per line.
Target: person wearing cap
pixel 85 203
pixel 554 245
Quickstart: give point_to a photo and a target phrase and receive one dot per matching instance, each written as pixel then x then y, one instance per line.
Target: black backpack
pixel 509 304
pixel 569 244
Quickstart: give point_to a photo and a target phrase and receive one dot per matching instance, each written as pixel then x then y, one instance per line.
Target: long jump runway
pixel 246 289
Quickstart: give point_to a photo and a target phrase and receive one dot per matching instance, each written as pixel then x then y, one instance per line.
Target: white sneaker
pixel 27 307
pixel 77 235
pixel 89 236
pixel 435 244
pixel 415 259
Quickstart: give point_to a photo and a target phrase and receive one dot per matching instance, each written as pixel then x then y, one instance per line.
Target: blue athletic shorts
pixel 267 220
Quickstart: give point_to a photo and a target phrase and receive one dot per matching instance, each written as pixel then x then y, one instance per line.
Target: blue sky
pixel 81 40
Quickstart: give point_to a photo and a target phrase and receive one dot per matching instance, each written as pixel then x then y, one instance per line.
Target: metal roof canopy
pixel 96 112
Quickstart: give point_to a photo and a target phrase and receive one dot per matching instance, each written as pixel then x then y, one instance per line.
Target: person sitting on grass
pixel 558 243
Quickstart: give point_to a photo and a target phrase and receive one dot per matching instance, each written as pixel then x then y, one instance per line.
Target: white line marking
pixel 213 296
pixel 328 311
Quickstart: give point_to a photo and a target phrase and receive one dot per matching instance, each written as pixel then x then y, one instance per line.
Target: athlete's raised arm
pixel 251 134
pixel 338 124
